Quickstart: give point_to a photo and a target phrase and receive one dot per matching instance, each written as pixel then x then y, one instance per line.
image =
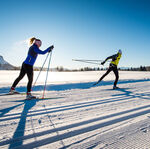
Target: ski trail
pixel 96 117
pixel 53 125
pixel 32 125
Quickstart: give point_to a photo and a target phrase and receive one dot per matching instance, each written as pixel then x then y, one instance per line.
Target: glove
pixel 51 48
pixel 103 62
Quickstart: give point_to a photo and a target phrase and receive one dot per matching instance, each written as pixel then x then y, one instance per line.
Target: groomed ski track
pixel 79 118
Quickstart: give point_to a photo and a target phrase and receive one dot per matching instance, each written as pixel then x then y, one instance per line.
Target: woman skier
pixel 27 66
pixel 112 67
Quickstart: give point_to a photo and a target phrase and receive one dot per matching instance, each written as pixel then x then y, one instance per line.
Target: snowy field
pixel 76 115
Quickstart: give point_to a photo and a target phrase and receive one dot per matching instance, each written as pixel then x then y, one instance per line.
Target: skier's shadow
pixel 69 86
pixel 131 94
pixel 4 111
pixel 21 125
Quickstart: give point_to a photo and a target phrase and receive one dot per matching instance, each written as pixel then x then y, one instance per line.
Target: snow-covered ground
pixel 76 115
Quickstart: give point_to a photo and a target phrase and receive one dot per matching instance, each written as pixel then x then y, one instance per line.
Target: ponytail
pixel 32 40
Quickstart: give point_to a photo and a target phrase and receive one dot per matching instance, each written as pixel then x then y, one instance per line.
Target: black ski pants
pixel 115 70
pixel 25 69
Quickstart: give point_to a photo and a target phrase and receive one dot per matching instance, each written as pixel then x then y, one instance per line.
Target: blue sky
pixel 79 29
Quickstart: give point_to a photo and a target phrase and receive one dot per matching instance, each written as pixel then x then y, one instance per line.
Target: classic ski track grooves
pixel 98 117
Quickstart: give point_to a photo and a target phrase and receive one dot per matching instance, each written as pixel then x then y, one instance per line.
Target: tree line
pixel 141 68
pixel 61 69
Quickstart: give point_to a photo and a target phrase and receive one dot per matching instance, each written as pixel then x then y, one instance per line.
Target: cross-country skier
pixel 27 66
pixel 112 67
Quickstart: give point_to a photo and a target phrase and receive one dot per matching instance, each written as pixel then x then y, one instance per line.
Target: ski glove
pixel 103 62
pixel 51 48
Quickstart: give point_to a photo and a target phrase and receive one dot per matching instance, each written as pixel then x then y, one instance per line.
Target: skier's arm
pixel 37 50
pixel 110 57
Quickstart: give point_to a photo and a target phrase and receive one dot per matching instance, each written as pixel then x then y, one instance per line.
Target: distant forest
pixel 61 69
pixel 141 68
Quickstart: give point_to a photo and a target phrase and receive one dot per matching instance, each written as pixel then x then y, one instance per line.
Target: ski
pixel 38 98
pixel 44 98
pixel 116 88
pixel 6 94
pixel 17 93
pixel 32 98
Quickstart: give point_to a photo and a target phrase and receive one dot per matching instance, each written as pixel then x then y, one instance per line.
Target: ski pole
pixel 87 62
pixel 47 75
pixel 40 71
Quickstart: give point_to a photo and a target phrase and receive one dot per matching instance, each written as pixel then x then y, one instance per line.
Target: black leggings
pixel 25 69
pixel 115 70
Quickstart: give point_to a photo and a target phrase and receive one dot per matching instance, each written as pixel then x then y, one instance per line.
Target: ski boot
pixel 115 87
pixel 13 91
pixel 29 96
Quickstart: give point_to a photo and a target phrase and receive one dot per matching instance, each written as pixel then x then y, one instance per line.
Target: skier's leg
pixel 115 70
pixel 30 80
pixel 21 75
pixel 107 72
pixel 30 77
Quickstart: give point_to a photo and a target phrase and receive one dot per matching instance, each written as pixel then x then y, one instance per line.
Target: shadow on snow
pixel 69 86
pixel 18 136
pixel 21 125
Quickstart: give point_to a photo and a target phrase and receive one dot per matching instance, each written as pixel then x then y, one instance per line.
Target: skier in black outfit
pixel 112 67
pixel 27 66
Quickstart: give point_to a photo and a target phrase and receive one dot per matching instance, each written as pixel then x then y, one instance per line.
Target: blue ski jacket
pixel 33 53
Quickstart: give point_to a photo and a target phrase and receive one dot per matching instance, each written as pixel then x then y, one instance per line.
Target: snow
pixel 76 115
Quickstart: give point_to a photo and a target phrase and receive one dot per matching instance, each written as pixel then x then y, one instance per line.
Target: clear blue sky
pixel 81 29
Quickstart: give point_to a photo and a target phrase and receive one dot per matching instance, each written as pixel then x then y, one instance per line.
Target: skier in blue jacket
pixel 27 66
